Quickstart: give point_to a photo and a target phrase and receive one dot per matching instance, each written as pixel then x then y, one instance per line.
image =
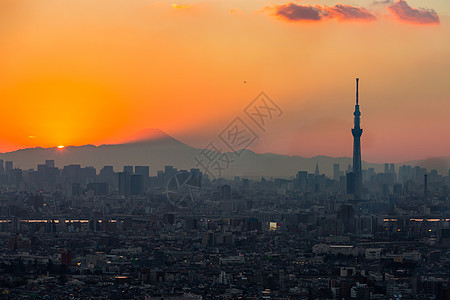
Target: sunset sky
pixel 75 72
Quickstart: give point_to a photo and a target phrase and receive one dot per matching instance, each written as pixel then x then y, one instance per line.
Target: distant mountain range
pixel 157 149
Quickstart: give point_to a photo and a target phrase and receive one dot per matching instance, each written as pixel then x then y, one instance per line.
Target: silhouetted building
pixel 347 215
pixel 225 192
pixel 336 172
pixel 160 177
pixel 128 169
pixel 302 180
pixel 8 167
pixel 357 132
pixel 245 184
pixel 88 175
pixel 99 188
pixel 196 179
pixel 16 177
pixel 169 172
pixel 124 183
pixel 425 187
pixel 136 185
pixel 107 175
pixel 49 163
pixel 142 170
pixel 398 189
pixel 72 172
pixel 350 183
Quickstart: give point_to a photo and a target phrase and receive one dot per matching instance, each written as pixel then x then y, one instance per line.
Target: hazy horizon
pixel 150 135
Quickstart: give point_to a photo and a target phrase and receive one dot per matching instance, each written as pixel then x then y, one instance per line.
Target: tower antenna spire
pixel 357 93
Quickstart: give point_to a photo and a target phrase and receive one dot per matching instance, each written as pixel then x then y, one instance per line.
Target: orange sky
pixel 93 72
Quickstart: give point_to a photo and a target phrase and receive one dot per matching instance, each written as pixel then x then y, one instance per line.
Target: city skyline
pixel 64 85
pixel 160 150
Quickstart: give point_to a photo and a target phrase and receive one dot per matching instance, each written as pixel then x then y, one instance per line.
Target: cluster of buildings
pixel 268 238
pixel 75 233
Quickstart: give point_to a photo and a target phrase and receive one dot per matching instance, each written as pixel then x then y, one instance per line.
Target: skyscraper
pixel 128 169
pixel 124 183
pixel 357 132
pixel 137 185
pixel 302 180
pixel 336 172
pixel 2 168
pixel 8 167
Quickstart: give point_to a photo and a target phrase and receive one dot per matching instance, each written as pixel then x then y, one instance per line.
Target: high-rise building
pixel 124 183
pixel 245 184
pixel 88 175
pixel 136 185
pixel 346 214
pixel 107 175
pixel 49 163
pixel 8 167
pixel 225 192
pixel 16 177
pixel 336 172
pixel 392 168
pixel 169 172
pixel 425 188
pixel 128 169
pixel 72 173
pixel 2 168
pixel 99 188
pixel 357 132
pixel 196 179
pixel 144 171
pixel 160 177
pixel 302 180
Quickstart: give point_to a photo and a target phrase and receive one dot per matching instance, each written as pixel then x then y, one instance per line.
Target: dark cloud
pixel 348 13
pixel 293 12
pixel 406 13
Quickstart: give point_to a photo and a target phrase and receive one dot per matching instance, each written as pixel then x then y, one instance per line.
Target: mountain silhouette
pixel 154 148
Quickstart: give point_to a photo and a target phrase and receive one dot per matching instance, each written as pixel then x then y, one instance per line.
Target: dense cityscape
pixel 218 150
pixel 75 233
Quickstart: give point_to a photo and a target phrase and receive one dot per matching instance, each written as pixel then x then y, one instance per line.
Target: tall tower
pixel 357 132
